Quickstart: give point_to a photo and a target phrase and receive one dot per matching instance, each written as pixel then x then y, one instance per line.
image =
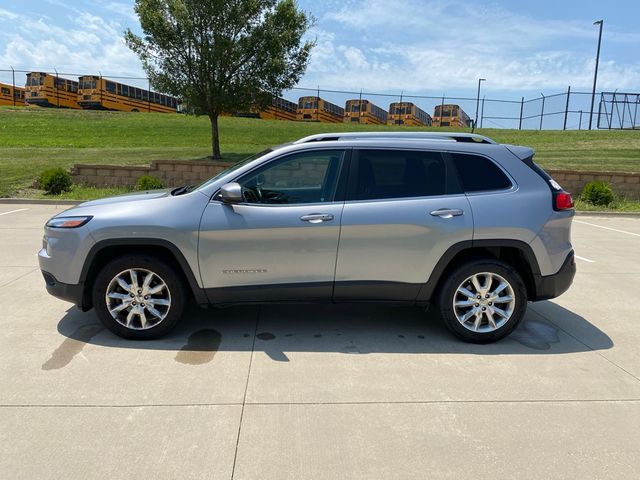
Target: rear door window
pixel 385 174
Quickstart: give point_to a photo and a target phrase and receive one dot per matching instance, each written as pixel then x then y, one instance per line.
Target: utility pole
pixel 595 75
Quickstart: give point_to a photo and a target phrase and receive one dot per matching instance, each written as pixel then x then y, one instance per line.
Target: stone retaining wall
pixel 623 183
pixel 170 172
pixel 176 172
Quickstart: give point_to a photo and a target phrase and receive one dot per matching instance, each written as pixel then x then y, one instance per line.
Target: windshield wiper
pixel 181 190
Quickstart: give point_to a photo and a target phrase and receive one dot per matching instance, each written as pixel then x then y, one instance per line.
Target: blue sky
pixel 417 46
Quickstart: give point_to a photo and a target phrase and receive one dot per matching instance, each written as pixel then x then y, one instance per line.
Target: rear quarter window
pixel 479 174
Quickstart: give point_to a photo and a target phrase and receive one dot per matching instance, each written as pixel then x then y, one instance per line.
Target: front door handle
pixel 447 212
pixel 317 217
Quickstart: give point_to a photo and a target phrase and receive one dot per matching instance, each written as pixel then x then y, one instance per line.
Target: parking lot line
pixel 14 211
pixel 585 259
pixel 607 228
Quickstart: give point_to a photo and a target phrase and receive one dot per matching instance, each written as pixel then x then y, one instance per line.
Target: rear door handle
pixel 447 212
pixel 317 217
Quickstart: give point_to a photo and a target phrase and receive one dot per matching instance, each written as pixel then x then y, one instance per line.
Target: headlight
pixel 68 222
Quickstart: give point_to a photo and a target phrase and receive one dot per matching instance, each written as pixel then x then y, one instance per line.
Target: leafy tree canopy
pixel 222 55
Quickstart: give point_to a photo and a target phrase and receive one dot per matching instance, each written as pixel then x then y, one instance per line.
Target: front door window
pixel 307 177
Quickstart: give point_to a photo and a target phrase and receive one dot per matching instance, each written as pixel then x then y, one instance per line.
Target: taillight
pixel 562 201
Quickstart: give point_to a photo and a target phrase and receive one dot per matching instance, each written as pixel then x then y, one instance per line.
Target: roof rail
pixel 450 136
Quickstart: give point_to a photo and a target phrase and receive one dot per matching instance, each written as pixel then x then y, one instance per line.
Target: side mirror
pixel 231 193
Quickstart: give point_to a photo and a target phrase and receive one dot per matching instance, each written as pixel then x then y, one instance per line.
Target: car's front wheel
pixel 483 300
pixel 139 297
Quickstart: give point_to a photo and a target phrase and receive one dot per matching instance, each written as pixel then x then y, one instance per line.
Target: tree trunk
pixel 215 138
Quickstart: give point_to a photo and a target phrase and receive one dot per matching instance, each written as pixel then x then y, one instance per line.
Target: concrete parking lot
pixel 323 392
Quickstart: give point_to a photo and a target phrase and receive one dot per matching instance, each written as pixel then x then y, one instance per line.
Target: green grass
pixel 32 139
pixel 618 205
pixel 78 192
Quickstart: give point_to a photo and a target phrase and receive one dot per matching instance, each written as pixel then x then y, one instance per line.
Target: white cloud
pixel 87 43
pixel 427 46
pixel 7 14
pixel 421 46
pixel 123 9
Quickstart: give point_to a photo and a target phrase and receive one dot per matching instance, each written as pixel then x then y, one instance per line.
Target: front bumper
pixel 73 293
pixel 552 286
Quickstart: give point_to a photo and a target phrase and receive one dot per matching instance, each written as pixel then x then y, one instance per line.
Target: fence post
pixel 613 105
pixel 599 111
pixel 57 85
pixel 13 83
pixel 360 107
pixel 542 111
pixel 482 111
pixel 318 105
pixel 521 110
pixel 148 94
pixel 624 111
pixel 566 108
pixel 580 123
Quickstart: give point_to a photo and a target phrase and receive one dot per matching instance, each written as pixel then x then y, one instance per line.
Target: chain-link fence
pixel 568 110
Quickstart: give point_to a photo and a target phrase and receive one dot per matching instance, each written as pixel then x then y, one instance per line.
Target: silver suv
pixel 410 218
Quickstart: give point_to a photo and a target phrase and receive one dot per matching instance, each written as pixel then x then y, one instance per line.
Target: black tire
pixel 447 295
pixel 159 268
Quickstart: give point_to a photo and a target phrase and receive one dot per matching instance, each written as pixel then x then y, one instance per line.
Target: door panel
pixel 404 210
pixel 390 247
pixel 281 242
pixel 255 246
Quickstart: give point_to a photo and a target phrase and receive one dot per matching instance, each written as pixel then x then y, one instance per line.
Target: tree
pixel 222 55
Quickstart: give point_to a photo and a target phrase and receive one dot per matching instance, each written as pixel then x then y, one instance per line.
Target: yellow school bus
pixel 11 96
pixel 97 93
pixel 47 90
pixel 363 111
pixel 407 113
pixel 450 116
pixel 280 109
pixel 315 109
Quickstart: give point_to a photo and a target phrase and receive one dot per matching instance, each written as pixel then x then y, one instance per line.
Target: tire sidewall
pixel 155 265
pixel 451 284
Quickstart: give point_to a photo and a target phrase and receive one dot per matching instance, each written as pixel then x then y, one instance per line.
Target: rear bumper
pixel 552 286
pixel 73 293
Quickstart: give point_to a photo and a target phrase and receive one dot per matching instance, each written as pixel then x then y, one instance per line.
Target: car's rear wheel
pixel 139 297
pixel 483 301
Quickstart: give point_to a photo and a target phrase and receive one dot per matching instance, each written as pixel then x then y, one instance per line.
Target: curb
pixel 39 201
pixel 584 213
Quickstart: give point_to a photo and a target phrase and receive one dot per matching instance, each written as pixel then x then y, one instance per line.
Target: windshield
pixel 234 167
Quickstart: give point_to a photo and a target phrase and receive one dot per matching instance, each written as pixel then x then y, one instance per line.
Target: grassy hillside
pixel 33 139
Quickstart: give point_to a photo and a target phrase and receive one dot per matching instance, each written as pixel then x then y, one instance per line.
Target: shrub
pixel 597 193
pixel 148 182
pixel 55 181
